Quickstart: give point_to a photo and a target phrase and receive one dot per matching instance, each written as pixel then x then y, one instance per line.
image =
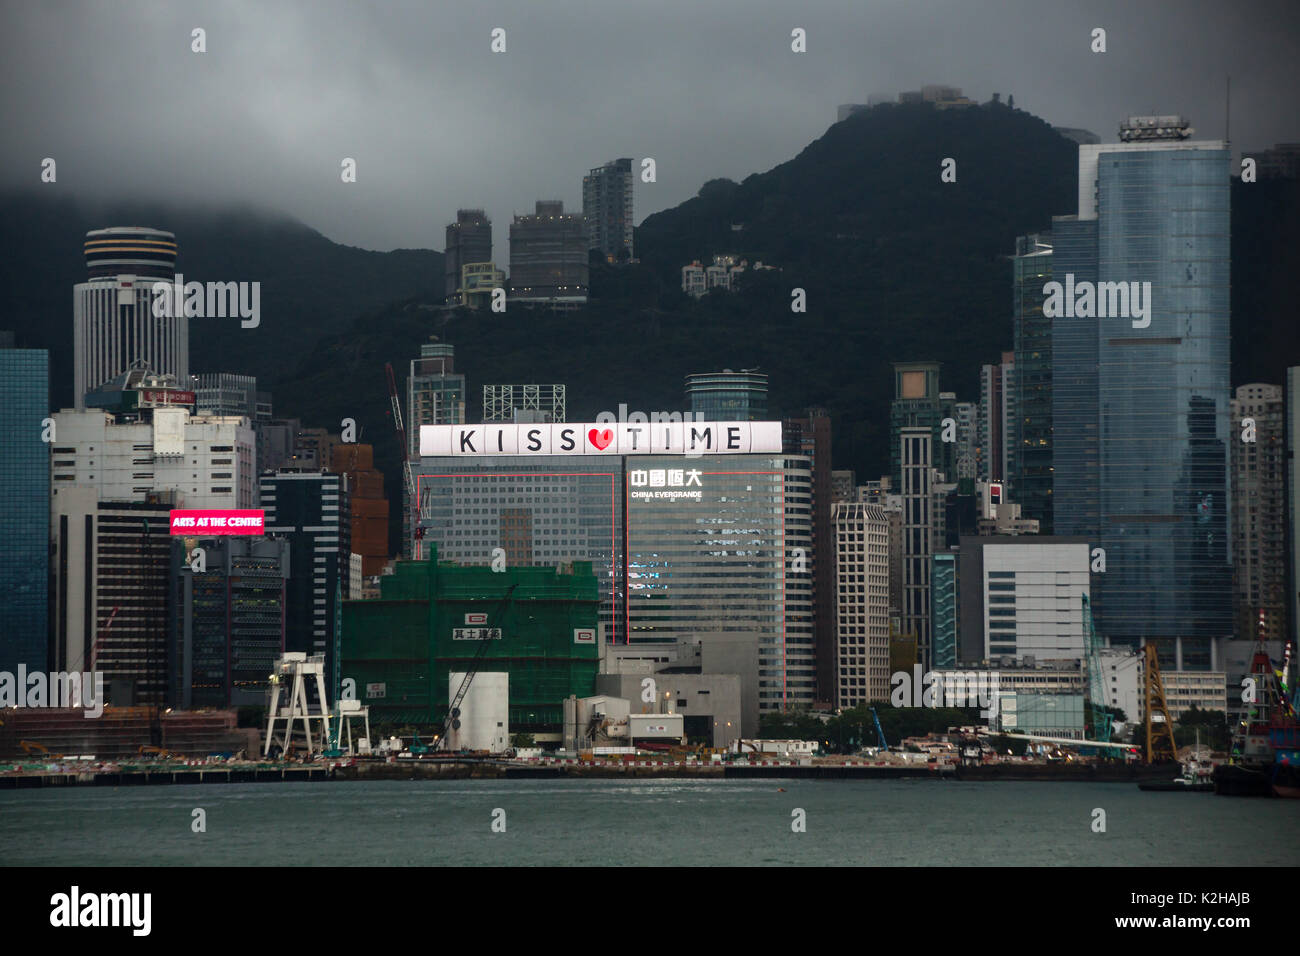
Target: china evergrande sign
pixel 610 438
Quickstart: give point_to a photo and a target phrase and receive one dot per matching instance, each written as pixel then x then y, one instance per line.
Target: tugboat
pixel 1286 774
pixel 1265 758
pixel 1197 775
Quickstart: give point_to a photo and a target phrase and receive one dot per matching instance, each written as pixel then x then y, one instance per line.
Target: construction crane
pixel 1101 717
pixel 95 643
pixel 880 733
pixel 1160 746
pixel 408 477
pixel 452 720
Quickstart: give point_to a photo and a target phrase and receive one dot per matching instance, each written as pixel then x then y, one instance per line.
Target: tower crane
pixel 408 478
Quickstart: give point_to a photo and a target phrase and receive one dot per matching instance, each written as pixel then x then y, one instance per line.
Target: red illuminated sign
pixel 218 521
pixel 158 396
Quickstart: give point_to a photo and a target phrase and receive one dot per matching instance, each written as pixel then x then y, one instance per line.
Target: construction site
pixel 499 672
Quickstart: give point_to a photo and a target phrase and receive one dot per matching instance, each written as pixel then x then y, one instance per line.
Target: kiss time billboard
pixel 602 438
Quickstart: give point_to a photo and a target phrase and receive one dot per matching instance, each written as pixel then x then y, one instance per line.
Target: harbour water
pixel 644 822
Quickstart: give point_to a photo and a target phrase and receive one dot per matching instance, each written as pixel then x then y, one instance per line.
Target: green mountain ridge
pixel 310 287
pixel 896 265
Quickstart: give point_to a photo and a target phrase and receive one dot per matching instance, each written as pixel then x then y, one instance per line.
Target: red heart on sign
pixel 600 439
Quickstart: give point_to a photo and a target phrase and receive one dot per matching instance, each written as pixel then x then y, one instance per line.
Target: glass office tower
pixel 24 508
pixel 1158 391
pixel 1074 387
pixel 540 511
pixel 1031 455
pixel 709 562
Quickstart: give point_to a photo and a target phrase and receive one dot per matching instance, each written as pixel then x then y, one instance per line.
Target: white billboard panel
pixel 602 438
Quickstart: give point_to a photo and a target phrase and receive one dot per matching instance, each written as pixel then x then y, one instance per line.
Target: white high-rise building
pixel 918 531
pixel 1030 595
pixel 210 461
pixel 113 324
pixel 795 655
pixel 861 603
pixel 607 207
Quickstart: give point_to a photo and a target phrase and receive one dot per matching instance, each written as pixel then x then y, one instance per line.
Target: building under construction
pixel 431 617
pixel 120 732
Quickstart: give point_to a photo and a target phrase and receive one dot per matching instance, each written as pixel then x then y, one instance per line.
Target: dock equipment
pixel 1160 746
pixel 293 672
pixel 340 740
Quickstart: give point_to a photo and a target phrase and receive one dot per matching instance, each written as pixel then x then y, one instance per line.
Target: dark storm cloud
pixel 436 121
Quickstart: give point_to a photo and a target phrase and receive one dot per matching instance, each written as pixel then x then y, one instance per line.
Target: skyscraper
pixel 962 458
pixel 227 621
pixel 810 437
pixel 435 395
pixel 1293 501
pixel 147 442
pixel 1075 482
pixel 435 392
pixel 24 507
pixel 312 510
pixel 226 393
pixel 469 239
pixel 943 609
pixel 1022 597
pixel 861 660
pixel 723 568
pixel 915 404
pixel 1031 456
pixel 1258 518
pixel 728 396
pixel 997 420
pixel 110 589
pixel 1140 384
pixel 113 323
pixel 548 257
pixel 607 207
pixel 368 505
pixel 916 454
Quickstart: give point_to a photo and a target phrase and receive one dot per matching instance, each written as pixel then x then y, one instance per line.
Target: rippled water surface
pixel 644 822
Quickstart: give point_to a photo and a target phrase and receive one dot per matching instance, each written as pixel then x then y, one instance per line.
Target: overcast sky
pixel 437 121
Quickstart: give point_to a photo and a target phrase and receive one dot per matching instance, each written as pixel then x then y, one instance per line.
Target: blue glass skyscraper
pixel 24 508
pixel 1141 385
pixel 1074 387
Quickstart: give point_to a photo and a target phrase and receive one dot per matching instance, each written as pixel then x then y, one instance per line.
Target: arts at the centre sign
pixel 606 438
pixel 203 523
